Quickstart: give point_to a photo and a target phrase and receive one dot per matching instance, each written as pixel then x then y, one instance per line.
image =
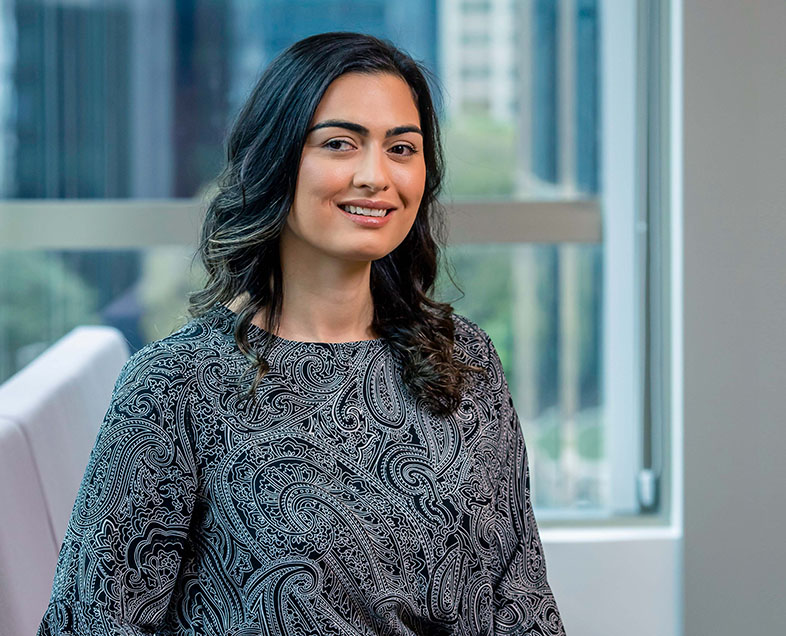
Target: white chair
pixel 50 413
pixel 27 553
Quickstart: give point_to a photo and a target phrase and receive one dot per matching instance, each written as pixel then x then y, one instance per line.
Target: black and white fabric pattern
pixel 336 504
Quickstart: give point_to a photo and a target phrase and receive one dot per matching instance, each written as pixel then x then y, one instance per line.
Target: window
pixel 475 38
pixel 112 119
pixel 475 72
pixel 475 6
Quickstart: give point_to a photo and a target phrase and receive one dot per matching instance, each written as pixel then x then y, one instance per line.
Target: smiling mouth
pixel 375 212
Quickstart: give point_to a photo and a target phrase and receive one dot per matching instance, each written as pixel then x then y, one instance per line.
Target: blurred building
pixel 134 98
pixel 547 89
pixel 477 41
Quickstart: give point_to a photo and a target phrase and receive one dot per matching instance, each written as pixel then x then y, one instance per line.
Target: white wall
pixel 735 317
pixel 615 582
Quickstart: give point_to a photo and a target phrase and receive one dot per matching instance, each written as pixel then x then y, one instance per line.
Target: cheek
pixel 413 182
pixel 407 174
pixel 318 179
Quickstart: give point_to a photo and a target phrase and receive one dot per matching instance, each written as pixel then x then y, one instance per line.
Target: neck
pixel 324 300
pixel 327 305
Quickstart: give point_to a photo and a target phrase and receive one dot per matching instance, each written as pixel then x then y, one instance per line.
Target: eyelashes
pixel 411 150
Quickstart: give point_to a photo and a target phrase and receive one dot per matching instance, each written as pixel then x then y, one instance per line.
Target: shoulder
pixel 480 349
pixel 153 393
pixel 167 361
pixel 467 326
pixel 472 339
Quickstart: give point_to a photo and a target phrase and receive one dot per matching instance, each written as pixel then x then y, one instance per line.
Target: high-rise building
pixel 477 40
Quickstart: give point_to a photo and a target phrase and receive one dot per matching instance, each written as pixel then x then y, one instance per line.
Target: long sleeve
pixel 523 601
pixel 128 531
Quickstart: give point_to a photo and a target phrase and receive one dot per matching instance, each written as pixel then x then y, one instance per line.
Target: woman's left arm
pixel 523 601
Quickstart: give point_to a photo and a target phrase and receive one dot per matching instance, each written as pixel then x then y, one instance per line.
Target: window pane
pixel 45 294
pixel 541 305
pixel 133 98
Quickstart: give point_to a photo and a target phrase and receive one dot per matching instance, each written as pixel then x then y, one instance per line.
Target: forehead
pixel 378 100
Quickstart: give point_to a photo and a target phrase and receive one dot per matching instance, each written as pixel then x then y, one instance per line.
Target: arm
pixel 523 601
pixel 128 529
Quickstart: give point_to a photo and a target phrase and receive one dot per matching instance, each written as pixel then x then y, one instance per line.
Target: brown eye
pixel 335 141
pixel 409 150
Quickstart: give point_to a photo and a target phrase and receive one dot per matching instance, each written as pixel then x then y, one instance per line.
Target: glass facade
pixel 132 99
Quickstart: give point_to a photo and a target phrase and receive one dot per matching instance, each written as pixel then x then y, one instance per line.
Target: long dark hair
pixel 239 245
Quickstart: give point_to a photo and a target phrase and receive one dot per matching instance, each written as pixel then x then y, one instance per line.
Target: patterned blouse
pixel 335 504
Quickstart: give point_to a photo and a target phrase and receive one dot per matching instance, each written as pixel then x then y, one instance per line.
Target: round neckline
pixel 259 332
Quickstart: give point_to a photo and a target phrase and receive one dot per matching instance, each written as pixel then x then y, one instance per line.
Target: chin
pixel 370 257
pixel 361 256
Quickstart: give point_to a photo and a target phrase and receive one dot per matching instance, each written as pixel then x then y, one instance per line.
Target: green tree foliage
pixel 480 157
pixel 40 301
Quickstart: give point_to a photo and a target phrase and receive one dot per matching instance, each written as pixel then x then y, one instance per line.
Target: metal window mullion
pixel 523 62
pixel 566 96
pixel 619 122
pixel 656 364
pixel 644 478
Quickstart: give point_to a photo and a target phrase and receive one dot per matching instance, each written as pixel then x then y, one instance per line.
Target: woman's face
pixel 364 145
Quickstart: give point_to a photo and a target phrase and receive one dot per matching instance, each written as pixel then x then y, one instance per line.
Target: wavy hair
pixel 239 242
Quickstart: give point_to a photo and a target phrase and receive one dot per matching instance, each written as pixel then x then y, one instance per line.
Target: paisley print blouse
pixel 334 504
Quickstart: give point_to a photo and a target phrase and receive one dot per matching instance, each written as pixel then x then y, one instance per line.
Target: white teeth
pixel 364 211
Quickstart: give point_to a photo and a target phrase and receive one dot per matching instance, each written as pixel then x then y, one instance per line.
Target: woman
pixel 366 472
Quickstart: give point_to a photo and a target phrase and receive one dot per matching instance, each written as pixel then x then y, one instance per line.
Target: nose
pixel 372 171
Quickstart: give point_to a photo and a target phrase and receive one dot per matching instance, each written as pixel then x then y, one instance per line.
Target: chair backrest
pixel 27 553
pixel 50 411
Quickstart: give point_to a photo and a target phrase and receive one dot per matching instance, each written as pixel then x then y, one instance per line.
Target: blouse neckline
pixel 256 332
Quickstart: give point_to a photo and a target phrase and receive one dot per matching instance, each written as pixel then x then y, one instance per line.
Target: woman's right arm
pixel 128 530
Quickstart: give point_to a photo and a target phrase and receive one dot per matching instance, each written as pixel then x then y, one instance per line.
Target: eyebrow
pixel 362 130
